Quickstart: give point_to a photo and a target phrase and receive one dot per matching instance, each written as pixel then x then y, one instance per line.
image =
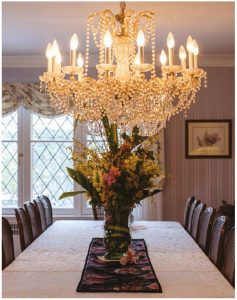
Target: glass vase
pixel 117 236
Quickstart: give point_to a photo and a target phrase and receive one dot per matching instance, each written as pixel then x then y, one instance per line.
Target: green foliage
pixel 70 194
pixel 111 134
pixel 118 178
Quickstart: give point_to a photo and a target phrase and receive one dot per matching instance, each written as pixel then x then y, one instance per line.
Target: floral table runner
pixel 101 276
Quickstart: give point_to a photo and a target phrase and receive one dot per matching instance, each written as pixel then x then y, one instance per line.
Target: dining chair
pixel 7 244
pixel 228 268
pixel 25 231
pixel 190 217
pixel 196 219
pixel 217 240
pixel 204 229
pixel 187 211
pixel 227 209
pixel 41 210
pixel 34 218
pixel 48 209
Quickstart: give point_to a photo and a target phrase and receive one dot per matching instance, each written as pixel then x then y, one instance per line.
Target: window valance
pixel 29 96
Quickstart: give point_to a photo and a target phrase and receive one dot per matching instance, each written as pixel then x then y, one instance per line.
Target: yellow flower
pixel 150 167
pixel 97 180
pixel 131 162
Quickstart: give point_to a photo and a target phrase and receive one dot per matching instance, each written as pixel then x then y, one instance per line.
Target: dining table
pixel 52 265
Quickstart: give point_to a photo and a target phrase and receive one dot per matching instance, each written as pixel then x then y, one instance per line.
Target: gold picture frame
pixel 208 138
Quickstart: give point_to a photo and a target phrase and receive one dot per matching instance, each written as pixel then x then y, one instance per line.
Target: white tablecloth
pixel 52 265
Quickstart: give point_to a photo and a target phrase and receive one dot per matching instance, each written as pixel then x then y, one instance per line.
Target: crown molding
pixel 39 61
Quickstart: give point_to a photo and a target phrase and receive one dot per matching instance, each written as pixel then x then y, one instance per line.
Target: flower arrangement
pixel 119 177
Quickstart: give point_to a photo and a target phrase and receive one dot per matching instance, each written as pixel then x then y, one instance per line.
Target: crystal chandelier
pixel 127 89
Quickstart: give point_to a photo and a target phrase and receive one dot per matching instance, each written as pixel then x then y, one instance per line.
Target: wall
pixel 210 180
pixel 21 74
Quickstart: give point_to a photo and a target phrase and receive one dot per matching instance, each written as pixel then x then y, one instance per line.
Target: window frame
pixel 24 161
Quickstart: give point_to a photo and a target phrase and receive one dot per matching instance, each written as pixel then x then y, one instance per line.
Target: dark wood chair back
pixel 228 268
pixel 7 244
pixel 48 209
pixel 187 211
pixel 190 217
pixel 196 219
pixel 34 218
pixel 25 231
pixel 204 229
pixel 217 240
pixel 227 209
pixel 41 210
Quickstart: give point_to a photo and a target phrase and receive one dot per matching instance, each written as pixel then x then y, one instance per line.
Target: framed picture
pixel 208 138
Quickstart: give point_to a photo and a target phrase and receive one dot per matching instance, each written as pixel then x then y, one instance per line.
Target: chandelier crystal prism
pixel 127 89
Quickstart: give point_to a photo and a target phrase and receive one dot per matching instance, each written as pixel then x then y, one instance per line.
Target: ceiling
pixel 27 27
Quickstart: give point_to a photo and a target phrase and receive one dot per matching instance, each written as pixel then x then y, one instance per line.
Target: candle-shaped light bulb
pixel 140 45
pixel 182 53
pixel 195 49
pixel 49 56
pixel 182 56
pixel 170 45
pixel 163 58
pixel 195 52
pixel 108 39
pixel 73 47
pixel 190 51
pixel 80 60
pixel 190 43
pixel 170 40
pixel 108 43
pixel 55 48
pixel 74 42
pixel 55 52
pixel 49 53
pixel 140 39
pixel 137 59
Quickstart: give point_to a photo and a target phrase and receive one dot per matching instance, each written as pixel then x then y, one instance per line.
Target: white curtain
pixel 151 208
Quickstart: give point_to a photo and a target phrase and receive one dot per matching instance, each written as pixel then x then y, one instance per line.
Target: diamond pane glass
pixel 50 157
pixel 9 127
pixel 9 162
pixel 59 129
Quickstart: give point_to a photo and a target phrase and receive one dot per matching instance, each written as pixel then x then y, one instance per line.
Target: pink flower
pixel 111 177
pixel 128 257
pixel 123 260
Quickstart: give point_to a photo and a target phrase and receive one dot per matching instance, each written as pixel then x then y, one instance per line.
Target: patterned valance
pixel 29 96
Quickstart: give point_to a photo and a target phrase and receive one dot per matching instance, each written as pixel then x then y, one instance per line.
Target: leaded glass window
pixel 10 161
pixel 50 142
